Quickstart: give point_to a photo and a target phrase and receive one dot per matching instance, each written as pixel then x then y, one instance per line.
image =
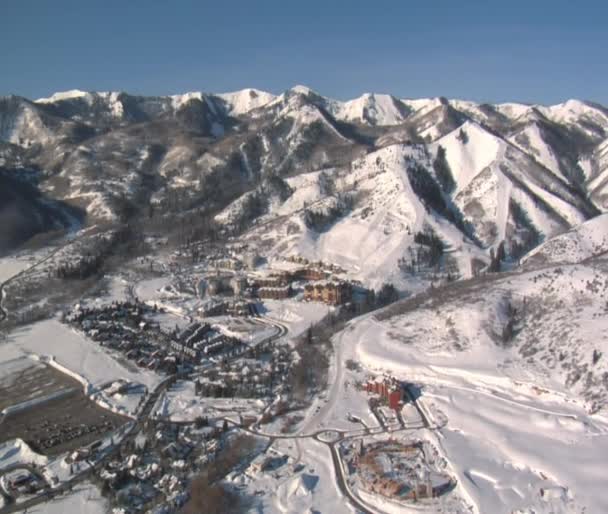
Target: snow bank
pixel 18 451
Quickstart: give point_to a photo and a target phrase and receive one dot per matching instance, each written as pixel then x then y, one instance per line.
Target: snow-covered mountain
pixel 580 244
pixel 375 171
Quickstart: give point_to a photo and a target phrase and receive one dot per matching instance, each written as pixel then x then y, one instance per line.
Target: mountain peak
pixel 245 100
pixel 179 100
pixel 302 90
pixel 64 95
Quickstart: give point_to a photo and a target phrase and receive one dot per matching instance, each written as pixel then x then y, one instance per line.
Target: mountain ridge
pixel 487 174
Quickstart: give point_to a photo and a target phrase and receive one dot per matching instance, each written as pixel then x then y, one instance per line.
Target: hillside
pixel 512 370
pixel 374 171
pixel 588 240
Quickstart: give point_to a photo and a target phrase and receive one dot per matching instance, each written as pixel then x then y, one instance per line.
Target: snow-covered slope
pixel 422 106
pixel 583 242
pixel 513 172
pixel 596 173
pixel 22 124
pixel 530 139
pixel 373 109
pixel 372 213
pixel 245 100
pixel 490 174
pixel 512 371
pixel 471 188
pixel 589 118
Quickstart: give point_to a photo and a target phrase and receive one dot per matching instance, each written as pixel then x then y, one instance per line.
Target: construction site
pixel 398 470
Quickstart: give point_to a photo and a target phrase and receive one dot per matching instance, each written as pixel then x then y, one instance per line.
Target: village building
pixel 239 285
pixel 331 293
pixel 227 263
pixel 309 274
pixel 274 293
pixel 278 280
pixel 389 389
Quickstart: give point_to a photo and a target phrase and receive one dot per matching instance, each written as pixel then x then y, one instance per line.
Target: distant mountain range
pixel 351 182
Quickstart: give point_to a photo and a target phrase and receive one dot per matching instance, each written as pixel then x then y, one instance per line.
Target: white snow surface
pixel 245 100
pixel 468 160
pixel 582 242
pixel 64 95
pixel 377 109
pixel 312 488
pixel 17 451
pixel 75 352
pixel 508 424
pixel 370 240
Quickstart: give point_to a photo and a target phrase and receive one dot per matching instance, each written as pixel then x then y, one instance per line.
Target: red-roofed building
pixel 389 389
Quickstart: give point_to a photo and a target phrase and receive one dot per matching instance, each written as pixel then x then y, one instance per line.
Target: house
pixel 176 450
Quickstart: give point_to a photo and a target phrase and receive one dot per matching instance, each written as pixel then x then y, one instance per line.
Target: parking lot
pixel 61 424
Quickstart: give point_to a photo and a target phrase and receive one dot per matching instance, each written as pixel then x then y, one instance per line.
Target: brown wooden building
pixel 331 293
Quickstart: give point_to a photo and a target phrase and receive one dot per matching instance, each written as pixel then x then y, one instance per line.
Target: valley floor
pixel 507 432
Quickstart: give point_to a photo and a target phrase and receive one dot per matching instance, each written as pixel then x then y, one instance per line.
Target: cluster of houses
pixel 215 284
pixel 276 285
pixel 317 287
pixel 123 327
pixel 224 306
pixel 320 265
pixel 155 468
pixel 200 340
pixel 247 377
pixel 275 293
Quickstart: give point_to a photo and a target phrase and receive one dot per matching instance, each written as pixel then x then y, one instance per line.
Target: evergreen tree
pixel 443 171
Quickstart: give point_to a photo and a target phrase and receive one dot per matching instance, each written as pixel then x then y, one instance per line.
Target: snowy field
pixel 583 242
pixel 517 438
pixel 180 403
pixel 304 484
pixel 70 349
pixel 296 316
pixel 11 266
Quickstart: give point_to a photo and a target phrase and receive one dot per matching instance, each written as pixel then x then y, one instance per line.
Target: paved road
pixel 332 395
pixel 341 481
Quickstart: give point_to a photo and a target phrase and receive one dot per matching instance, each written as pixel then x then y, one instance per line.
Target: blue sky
pixel 533 51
